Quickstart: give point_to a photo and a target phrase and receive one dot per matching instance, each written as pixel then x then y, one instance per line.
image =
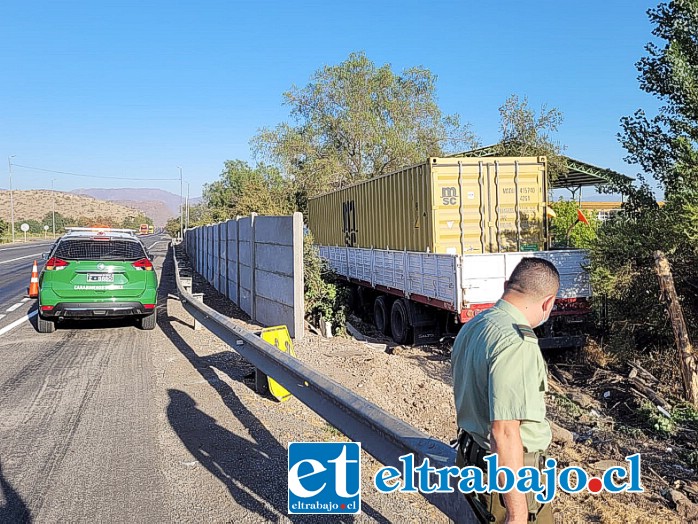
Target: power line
pixel 90 176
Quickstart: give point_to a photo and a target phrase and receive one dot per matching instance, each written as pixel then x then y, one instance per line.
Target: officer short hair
pixel 535 277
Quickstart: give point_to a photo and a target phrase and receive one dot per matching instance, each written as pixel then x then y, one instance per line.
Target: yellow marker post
pixel 278 336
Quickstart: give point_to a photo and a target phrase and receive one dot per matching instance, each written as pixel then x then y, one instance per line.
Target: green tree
pixel 523 132
pixel 4 227
pixel 241 190
pixel 135 221
pixel 665 146
pixel 356 120
pixel 199 215
pixel 172 227
pixel 34 226
pixel 61 222
pixel 581 236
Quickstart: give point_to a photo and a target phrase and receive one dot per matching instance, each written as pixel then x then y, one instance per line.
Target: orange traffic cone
pixel 34 283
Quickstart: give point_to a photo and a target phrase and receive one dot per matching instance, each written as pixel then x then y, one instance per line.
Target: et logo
pixel 324 477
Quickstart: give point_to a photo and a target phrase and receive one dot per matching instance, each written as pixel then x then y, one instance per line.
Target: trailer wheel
pixel 400 323
pixel 381 317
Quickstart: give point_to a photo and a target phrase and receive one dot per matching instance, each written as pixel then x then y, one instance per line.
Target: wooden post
pixel 687 358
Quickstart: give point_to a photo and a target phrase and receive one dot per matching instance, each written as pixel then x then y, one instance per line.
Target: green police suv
pixel 95 273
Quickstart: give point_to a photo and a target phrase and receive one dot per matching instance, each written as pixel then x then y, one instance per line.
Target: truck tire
pixel 401 326
pixel 381 315
pixel 148 322
pixel 44 325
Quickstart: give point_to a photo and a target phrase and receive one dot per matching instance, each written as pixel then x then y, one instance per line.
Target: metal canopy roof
pixel 579 174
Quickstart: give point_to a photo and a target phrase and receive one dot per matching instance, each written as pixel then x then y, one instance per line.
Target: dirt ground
pixel 414 384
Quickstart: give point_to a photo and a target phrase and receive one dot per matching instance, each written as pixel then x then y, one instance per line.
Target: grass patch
pixel 655 421
pixel 567 405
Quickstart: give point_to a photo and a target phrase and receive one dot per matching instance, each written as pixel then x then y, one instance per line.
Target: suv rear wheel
pixel 44 325
pixel 147 323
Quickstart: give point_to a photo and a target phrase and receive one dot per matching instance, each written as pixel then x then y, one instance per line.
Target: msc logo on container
pixel 449 196
pixel 324 477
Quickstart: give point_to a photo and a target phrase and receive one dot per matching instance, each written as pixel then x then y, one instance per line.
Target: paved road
pixel 103 422
pixel 78 429
pixel 15 269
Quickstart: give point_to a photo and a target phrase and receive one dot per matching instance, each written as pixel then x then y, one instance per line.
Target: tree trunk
pixel 687 358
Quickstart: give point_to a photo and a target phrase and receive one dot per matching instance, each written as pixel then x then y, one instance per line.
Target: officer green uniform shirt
pixel 499 374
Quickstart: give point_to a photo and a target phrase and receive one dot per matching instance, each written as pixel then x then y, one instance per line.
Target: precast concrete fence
pixel 257 262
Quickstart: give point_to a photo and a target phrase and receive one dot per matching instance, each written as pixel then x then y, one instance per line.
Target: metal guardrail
pixel 381 434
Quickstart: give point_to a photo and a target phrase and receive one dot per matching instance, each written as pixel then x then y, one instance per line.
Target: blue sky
pixel 135 89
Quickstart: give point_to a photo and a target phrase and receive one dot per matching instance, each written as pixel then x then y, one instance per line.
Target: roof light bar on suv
pixel 98 229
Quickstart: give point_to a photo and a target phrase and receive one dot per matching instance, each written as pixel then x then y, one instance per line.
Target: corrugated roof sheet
pixel 579 174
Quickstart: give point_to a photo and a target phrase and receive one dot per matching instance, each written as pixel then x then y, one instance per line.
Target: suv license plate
pixel 100 277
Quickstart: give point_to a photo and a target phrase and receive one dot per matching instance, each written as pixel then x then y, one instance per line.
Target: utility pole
pixel 187 209
pixel 12 203
pixel 54 207
pixel 181 198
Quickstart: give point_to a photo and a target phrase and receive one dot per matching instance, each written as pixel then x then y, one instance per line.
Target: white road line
pixel 12 308
pixel 18 322
pixel 2 316
pixel 20 258
pixel 156 243
pixel 25 299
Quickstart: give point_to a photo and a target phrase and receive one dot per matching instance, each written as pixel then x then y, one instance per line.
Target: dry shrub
pixel 594 354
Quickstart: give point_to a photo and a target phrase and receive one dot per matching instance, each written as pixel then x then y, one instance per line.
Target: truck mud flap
pixel 425 324
pixel 424 335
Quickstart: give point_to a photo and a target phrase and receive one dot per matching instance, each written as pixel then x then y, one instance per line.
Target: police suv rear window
pixel 88 249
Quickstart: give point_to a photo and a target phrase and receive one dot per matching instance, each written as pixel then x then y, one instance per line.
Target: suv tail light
pixel 56 264
pixel 143 264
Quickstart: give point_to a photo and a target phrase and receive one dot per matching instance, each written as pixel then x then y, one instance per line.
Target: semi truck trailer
pixel 428 247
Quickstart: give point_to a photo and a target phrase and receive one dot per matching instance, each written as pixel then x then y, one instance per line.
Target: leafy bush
pixel 623 270
pixel 325 295
pixel 682 415
pixel 685 415
pixel 661 425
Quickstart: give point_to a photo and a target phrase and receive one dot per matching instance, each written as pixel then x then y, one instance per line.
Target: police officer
pixel 499 381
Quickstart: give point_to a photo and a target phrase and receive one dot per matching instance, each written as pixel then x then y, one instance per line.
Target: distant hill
pixel 155 209
pixel 158 204
pixel 34 205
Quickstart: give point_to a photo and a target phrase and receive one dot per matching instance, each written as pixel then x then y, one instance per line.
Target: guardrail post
pixel 186 284
pixel 199 297
pixel 261 383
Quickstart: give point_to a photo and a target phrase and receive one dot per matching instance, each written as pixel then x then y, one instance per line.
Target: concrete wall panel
pixel 274 287
pixel 274 230
pixel 275 259
pixel 257 262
